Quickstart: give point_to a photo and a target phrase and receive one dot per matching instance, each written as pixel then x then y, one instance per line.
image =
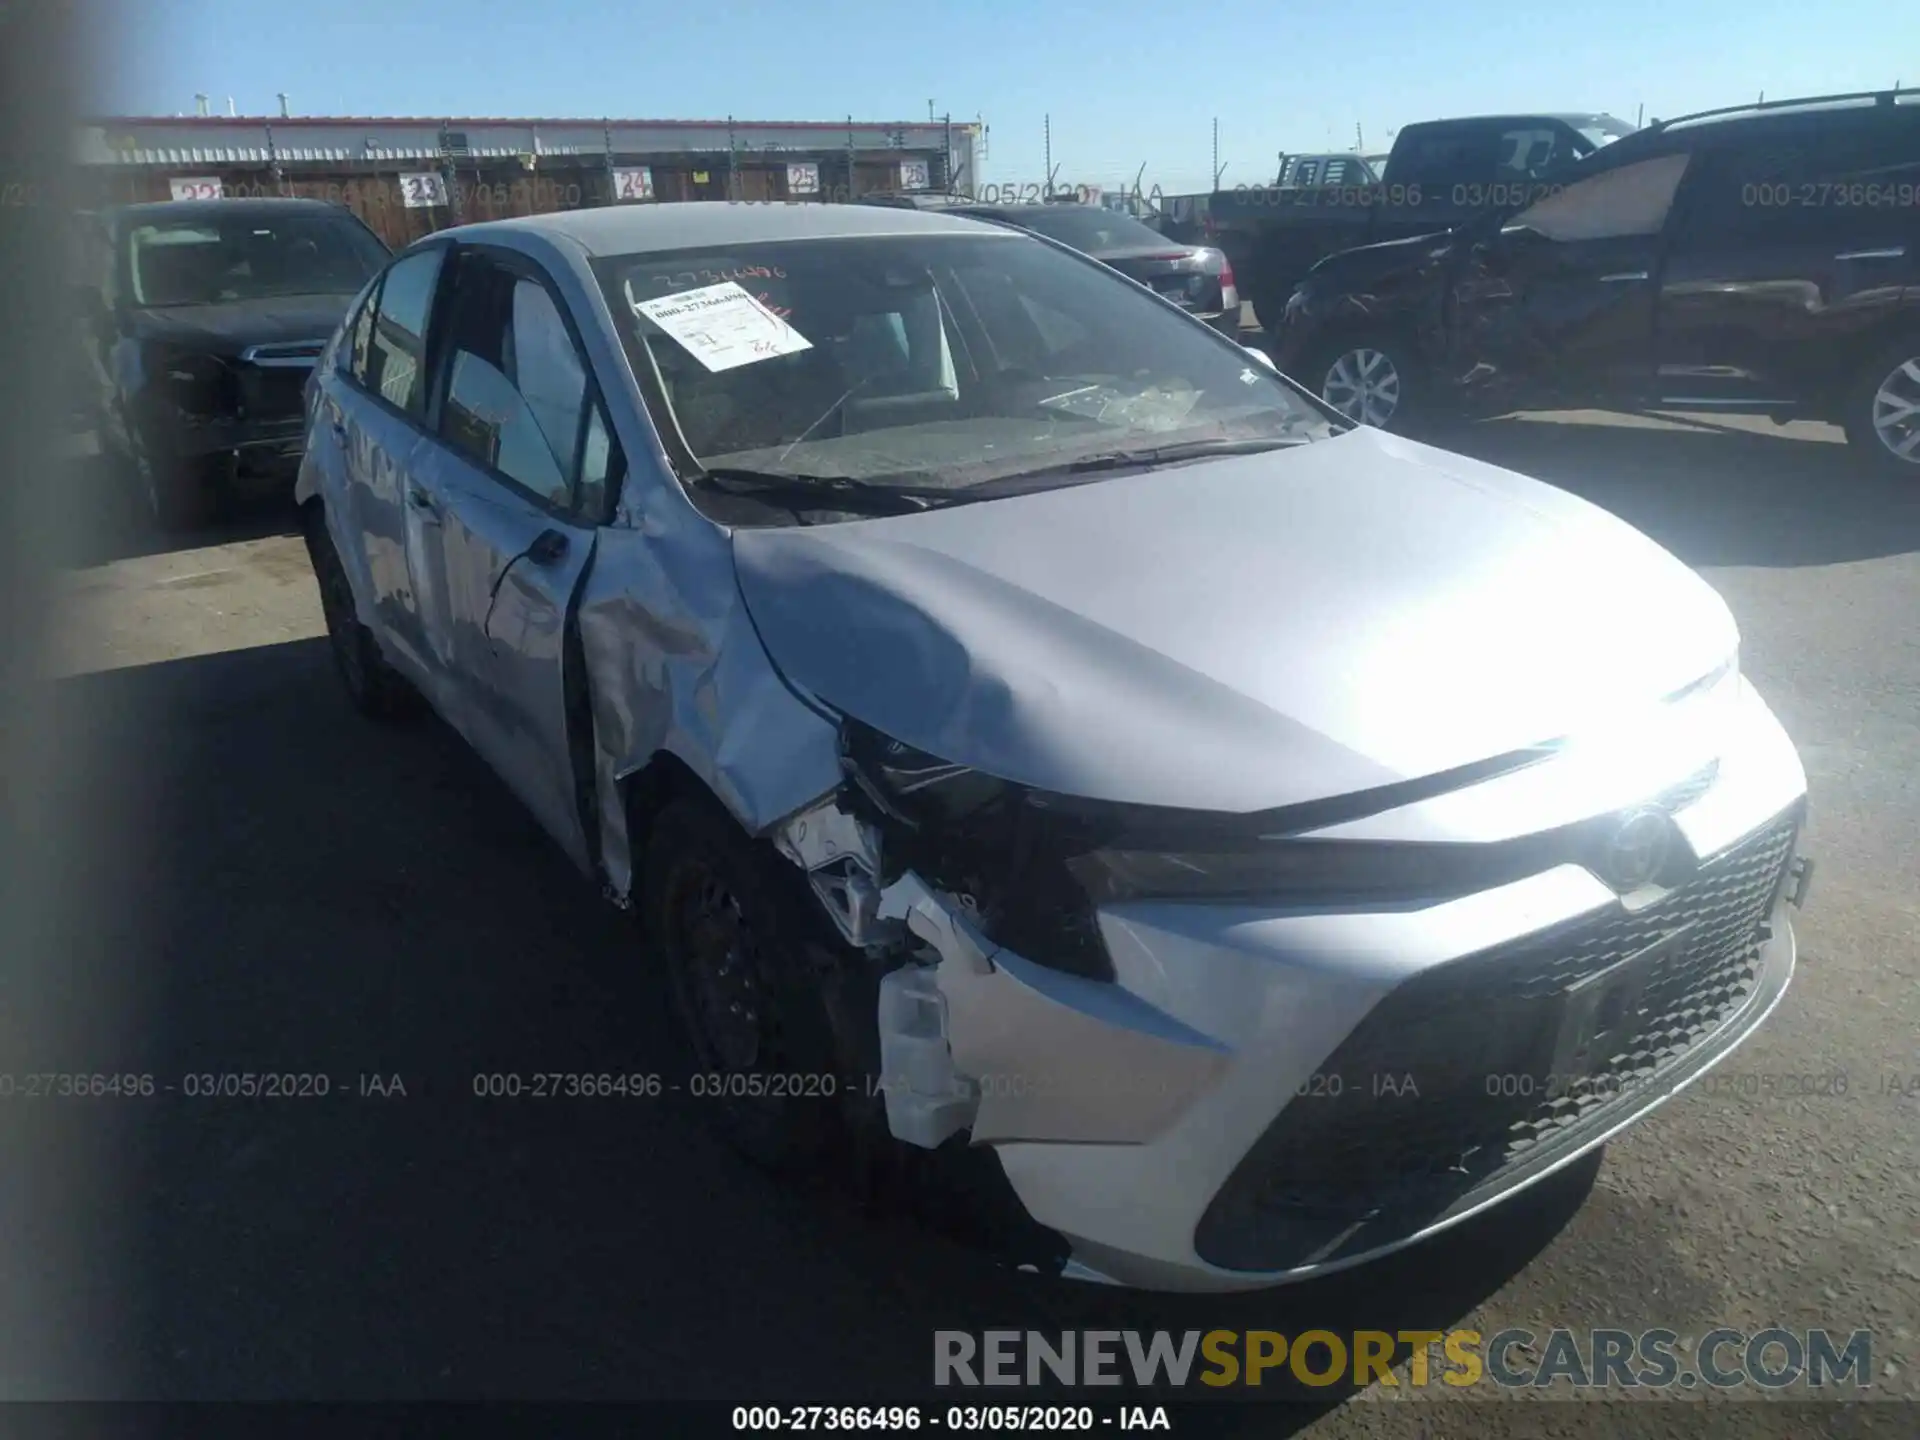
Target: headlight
pixel 1037 865
pixel 195 383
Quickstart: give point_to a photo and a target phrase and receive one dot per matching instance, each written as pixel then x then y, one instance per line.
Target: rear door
pixel 1791 256
pixel 373 409
pixel 1559 300
pixel 521 472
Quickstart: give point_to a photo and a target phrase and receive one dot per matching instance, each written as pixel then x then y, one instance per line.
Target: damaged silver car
pixel 1030 727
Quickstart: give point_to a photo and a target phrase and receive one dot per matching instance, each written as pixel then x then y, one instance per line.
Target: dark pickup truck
pixel 1439 174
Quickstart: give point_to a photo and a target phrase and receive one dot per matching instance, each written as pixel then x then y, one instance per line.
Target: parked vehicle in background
pixel 1344 168
pixel 913 199
pixel 1438 174
pixel 1184 217
pixel 200 323
pixel 1197 278
pixel 1041 739
pixel 1761 259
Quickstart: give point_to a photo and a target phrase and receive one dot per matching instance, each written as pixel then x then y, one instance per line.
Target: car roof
pixel 694 224
pixel 1036 207
pixel 155 210
pixel 1575 118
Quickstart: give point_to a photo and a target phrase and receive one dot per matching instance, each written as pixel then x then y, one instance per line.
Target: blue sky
pixel 1125 82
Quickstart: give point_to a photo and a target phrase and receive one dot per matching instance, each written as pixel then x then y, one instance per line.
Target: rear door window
pixel 396 351
pixel 353 352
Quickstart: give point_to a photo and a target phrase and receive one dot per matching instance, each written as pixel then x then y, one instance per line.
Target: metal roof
pixel 456 121
pixel 191 209
pixel 259 140
pixel 635 229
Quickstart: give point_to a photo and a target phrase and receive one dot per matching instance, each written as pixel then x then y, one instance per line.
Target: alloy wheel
pixel 1896 411
pixel 1364 386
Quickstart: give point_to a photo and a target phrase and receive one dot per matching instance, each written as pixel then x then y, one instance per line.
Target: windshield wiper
pixel 1167 454
pixel 821 492
pixel 1142 459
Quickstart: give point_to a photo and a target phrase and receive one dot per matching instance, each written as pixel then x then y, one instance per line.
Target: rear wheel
pixel 376 689
pixel 1883 410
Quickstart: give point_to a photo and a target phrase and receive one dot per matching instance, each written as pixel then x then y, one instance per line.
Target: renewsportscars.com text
pixel 1771 1359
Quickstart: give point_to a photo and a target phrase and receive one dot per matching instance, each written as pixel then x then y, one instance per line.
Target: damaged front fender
pixel 677 669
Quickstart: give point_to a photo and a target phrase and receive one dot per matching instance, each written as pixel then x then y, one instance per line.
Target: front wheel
pixel 732 930
pixel 1369 378
pixel 1883 410
pixel 179 493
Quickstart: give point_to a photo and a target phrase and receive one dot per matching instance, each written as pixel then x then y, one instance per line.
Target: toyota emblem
pixel 1638 849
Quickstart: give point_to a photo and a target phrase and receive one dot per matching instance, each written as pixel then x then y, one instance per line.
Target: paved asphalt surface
pixel 272 884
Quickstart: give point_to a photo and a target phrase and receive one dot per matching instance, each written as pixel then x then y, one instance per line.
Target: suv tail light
pixel 1229 292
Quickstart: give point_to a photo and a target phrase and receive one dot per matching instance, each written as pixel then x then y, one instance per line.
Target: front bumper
pixel 1266 1095
pixel 260 442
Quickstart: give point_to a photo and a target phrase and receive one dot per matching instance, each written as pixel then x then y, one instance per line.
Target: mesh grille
pixel 275 394
pixel 1450 1081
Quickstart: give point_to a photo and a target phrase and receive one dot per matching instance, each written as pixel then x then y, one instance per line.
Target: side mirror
pixel 1262 356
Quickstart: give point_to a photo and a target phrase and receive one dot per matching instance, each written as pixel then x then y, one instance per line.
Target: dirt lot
pixel 274 885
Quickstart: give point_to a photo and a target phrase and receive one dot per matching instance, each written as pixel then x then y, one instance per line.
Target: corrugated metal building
pixel 407 177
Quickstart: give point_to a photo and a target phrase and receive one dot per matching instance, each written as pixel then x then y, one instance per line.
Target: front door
pixel 1558 303
pixel 517 478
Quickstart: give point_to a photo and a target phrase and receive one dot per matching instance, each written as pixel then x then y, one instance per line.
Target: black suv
pixel 1764 259
pixel 201 320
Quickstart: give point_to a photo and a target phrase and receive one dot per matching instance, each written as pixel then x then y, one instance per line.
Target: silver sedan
pixel 1037 735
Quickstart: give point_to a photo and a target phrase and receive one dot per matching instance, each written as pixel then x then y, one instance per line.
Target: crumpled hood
pixel 1382 257
pixel 228 329
pixel 1238 634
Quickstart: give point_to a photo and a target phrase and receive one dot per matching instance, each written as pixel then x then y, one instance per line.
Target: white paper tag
pixel 722 326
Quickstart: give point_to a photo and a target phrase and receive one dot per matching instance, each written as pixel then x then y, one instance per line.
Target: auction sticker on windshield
pixel 722 326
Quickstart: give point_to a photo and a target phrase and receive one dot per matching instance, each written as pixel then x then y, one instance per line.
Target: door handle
pixel 423 502
pixel 1623 275
pixel 1892 252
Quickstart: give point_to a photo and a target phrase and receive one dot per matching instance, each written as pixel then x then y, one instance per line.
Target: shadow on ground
pixel 1713 493
pixel 100 517
pixel 276 887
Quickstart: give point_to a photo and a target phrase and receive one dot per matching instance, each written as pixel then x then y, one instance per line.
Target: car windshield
pixel 1086 229
pixel 931 362
pixel 220 259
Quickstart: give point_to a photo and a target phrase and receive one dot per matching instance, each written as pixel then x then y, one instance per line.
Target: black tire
pixel 1269 309
pixel 376 689
pixel 180 493
pixel 1333 365
pixel 1887 381
pixel 732 923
